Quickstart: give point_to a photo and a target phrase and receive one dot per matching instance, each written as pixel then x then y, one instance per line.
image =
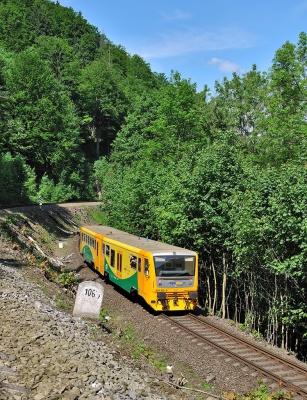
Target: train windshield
pixel 174 265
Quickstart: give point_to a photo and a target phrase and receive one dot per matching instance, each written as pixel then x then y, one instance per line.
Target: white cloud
pixel 177 15
pixel 224 65
pixel 193 41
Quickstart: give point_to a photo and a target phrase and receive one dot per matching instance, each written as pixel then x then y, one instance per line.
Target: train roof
pixel 141 243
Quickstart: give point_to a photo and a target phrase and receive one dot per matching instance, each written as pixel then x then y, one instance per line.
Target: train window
pixel 139 264
pixel 112 258
pixel 146 266
pixel 107 250
pixel 89 240
pixel 103 248
pixel 178 267
pixel 175 266
pixel 119 262
pixel 168 266
pixel 132 259
pixel 190 265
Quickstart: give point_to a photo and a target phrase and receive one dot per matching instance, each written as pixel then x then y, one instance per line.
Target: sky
pixel 203 40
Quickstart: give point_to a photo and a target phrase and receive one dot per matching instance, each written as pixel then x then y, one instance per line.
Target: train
pixel 163 275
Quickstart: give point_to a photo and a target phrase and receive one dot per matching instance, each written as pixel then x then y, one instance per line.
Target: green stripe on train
pixel 87 254
pixel 126 284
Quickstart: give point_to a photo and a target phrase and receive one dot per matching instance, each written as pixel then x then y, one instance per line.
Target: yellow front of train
pixel 171 281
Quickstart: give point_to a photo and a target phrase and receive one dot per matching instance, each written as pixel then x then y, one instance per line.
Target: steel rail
pixel 277 378
pixel 254 346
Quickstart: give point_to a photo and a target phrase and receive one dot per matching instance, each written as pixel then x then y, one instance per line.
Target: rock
pixel 210 378
pixel 39 396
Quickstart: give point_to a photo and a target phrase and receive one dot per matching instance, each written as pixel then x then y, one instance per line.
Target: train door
pixel 143 276
pixel 140 276
pixel 112 262
pixel 101 257
pixel 119 264
pixel 97 255
pixel 148 277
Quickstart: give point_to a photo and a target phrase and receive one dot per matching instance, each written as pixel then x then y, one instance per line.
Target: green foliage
pixel 206 385
pixel 22 21
pixel 178 119
pixel 247 327
pixel 70 187
pixel 104 316
pixel 30 186
pixel 64 304
pixel 61 59
pixel 136 346
pixel 260 393
pixel 103 104
pixel 239 107
pixel 99 217
pixel 13 179
pixel 43 126
pixel 11 219
pixel 67 279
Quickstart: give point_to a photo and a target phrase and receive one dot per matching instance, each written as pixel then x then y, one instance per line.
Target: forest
pixel 222 173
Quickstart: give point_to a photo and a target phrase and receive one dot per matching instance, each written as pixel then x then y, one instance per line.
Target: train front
pixel 176 280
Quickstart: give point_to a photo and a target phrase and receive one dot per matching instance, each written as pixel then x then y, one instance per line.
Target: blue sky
pixel 203 40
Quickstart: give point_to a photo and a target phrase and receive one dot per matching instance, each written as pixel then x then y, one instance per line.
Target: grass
pixel 63 303
pixel 206 385
pixel 259 393
pixel 98 216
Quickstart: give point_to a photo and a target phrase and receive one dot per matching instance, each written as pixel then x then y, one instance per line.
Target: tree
pixel 285 132
pixel 238 106
pixel 103 104
pixel 135 139
pixel 177 123
pixel 13 177
pixel 62 60
pixel 15 31
pixel 268 215
pixel 42 125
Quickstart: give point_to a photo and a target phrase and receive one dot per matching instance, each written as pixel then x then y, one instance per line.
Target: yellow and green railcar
pixel 165 276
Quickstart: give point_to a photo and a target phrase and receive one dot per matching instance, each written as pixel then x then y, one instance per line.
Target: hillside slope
pixel 48 232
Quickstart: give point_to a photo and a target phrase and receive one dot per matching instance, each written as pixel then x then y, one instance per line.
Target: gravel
pixel 47 354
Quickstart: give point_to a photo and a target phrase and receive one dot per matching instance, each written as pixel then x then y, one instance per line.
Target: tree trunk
pixel 224 287
pixel 215 288
pixel 208 297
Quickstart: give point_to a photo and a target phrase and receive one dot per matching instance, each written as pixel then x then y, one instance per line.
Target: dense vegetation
pixel 224 174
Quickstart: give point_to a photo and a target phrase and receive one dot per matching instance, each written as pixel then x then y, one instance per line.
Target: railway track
pixel 289 376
